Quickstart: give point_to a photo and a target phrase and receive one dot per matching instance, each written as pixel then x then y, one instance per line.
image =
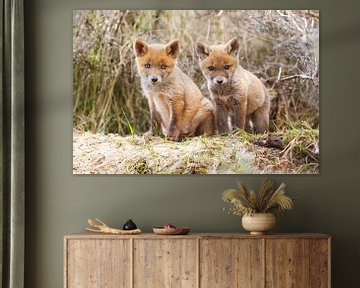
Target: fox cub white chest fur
pixel 238 93
pixel 177 107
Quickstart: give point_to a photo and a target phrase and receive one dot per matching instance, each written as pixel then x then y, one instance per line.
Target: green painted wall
pixel 58 203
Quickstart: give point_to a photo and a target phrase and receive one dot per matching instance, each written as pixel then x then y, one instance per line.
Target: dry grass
pixel 281 47
pixel 230 154
pixel 267 200
pixel 113 154
pixel 299 154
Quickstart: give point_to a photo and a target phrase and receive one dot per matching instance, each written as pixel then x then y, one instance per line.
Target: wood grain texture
pixel 98 264
pixel 319 263
pixel 287 263
pixel 88 235
pixel 165 263
pixel 231 263
pixel 197 260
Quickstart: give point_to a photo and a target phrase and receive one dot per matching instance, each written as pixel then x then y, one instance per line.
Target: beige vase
pixel 259 223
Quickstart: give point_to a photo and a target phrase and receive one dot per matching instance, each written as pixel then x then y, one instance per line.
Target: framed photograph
pixel 196 92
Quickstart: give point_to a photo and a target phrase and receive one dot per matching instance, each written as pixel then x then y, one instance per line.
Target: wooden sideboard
pixel 197 260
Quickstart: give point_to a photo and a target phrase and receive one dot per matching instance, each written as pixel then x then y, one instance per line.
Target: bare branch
pixel 101 227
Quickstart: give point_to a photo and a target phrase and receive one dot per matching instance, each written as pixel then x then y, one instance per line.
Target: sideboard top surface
pixel 87 235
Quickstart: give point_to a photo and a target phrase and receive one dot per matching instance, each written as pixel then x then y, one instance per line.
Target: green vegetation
pixel 298 152
pixel 280 47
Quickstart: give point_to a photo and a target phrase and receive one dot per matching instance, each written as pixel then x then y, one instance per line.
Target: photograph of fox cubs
pixel 196 92
pixel 177 105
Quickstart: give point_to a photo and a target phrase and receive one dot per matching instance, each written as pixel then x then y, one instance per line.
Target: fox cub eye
pixel 226 67
pixel 211 68
pixel 147 65
pixel 163 66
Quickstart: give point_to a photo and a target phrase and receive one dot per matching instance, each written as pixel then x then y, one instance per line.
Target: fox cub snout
pixel 238 94
pixel 177 107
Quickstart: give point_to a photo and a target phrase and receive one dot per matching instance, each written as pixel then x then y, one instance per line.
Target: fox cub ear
pixel 173 48
pixel 232 47
pixel 202 50
pixel 140 47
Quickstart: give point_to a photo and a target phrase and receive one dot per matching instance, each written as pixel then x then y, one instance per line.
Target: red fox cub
pixel 237 92
pixel 177 106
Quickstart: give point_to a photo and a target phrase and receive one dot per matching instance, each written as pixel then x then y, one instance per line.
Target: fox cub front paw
pixel 175 134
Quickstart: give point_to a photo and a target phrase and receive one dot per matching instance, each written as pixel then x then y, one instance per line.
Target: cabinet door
pixel 98 263
pixel 320 263
pixel 231 263
pixel 296 263
pixel 166 263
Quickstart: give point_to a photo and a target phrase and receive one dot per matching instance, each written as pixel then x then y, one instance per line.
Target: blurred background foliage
pixel 280 47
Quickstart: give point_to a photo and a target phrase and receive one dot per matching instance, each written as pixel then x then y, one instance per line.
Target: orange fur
pixel 238 94
pixel 177 106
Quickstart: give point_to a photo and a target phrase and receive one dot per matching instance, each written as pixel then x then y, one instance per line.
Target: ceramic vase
pixel 259 223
